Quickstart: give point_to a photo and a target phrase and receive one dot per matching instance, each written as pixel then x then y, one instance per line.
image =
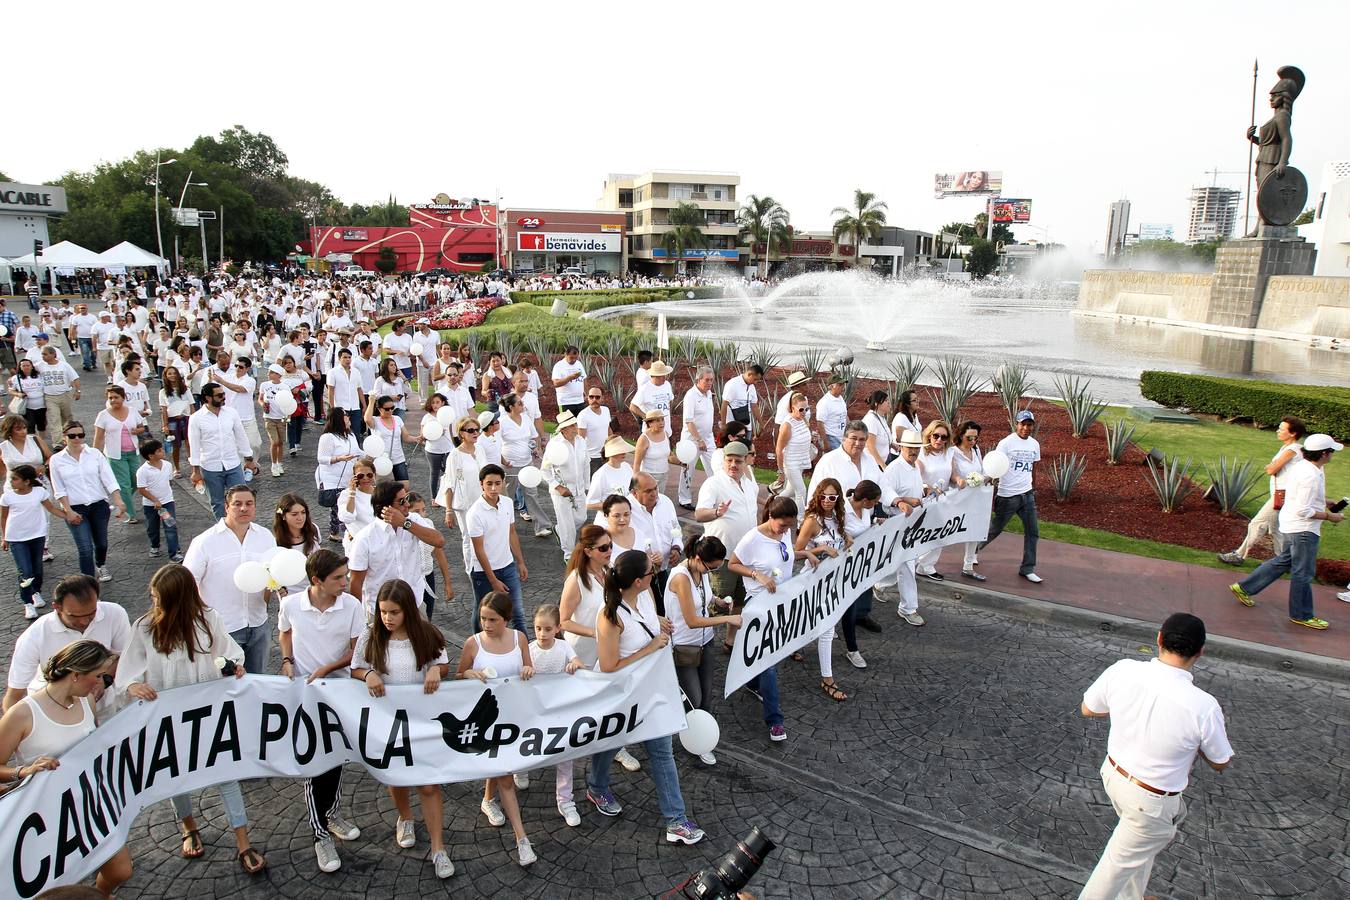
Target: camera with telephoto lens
pixel 724 879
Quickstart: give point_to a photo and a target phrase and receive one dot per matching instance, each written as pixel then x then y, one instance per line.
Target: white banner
pixel 58 827
pixel 774 625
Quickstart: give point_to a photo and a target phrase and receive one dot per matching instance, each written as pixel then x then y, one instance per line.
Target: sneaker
pixel 404 835
pixel 294 450
pixel 38 602
pixel 568 810
pixel 524 852
pixel 342 829
pixel 1230 558
pixel 912 618
pixel 103 573
pixel 544 532
pixel 708 759
pixel 1344 596
pixel 276 470
pixel 522 780
pixel 29 612
pixel 605 802
pixel 1312 622
pixel 856 658
pixel 1033 578
pixel 867 623
pixel 444 867
pixel 526 517
pixel 972 575
pixel 177 557
pixel 493 810
pixel 683 831
pixel 1243 597
pixel 326 851
pixel 131 520
pixel 934 575
pixel 777 733
pixel 627 760
pixel 47 555
pixel 155 552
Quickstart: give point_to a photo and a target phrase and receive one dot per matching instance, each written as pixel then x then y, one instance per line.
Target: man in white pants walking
pixel 568 481
pixel 697 411
pixel 1160 723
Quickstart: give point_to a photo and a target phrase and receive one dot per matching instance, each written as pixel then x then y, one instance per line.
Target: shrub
pixel 1083 408
pixel 764 355
pixel 1324 409
pixel 1232 481
pixel 958 382
pixel 1118 435
pixel 587 301
pixel 1012 381
pixel 1171 481
pixel 524 319
pixel 1065 472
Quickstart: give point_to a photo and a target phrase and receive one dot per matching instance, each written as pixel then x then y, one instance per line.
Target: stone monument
pixel 1242 267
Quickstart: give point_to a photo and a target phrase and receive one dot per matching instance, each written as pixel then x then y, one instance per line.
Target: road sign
pixel 186 216
pixel 207 214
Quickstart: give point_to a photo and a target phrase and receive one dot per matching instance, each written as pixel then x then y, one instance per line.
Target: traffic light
pixel 37 249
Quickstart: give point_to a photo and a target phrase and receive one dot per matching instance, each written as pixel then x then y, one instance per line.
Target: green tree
pixel 763 220
pixel 387 261
pixel 686 222
pixel 1304 218
pixel 863 221
pixel 982 258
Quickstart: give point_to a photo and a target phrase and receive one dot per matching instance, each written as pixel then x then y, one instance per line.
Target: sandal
pixel 797 656
pixel 832 691
pixel 192 844
pixel 252 861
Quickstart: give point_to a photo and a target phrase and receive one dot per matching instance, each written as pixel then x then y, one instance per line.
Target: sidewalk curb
pixel 1216 647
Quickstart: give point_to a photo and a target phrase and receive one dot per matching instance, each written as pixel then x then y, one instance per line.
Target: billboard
pixel 558 242
pixel 968 184
pixel 32 198
pixel 1155 231
pixel 1008 211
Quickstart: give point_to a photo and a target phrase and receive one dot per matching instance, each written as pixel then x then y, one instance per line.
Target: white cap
pixel 1316 442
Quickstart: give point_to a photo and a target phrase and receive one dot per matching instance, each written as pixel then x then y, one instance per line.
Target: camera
pixel 724 879
pixel 1340 505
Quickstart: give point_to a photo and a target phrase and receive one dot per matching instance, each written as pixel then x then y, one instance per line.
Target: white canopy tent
pixel 129 256
pixel 61 255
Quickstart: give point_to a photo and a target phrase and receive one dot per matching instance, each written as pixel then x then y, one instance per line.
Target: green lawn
pixel 1106 540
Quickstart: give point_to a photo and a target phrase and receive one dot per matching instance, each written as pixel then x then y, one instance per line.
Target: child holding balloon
pixel 277 404
pixel 437 437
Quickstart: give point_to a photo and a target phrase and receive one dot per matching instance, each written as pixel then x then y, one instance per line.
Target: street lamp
pixel 159 238
pixel 182 198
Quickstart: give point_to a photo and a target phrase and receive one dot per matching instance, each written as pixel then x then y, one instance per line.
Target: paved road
pixel 960 768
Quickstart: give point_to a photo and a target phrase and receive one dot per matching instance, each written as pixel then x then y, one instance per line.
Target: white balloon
pixel 557 453
pixel 383 466
pixel 285 403
pixel 702 734
pixel 415 349
pixel 251 577
pixel 446 416
pixel 530 477
pixel 690 295
pixel 287 567
pixel 3 331
pixel 373 445
pixel 686 451
pixel 995 463
pixel 432 430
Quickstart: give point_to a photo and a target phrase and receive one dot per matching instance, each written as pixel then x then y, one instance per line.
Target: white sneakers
pixel 326 851
pixel 522 780
pixel 444 867
pixel 568 810
pixel 38 602
pixel 524 852
pixel 627 760
pixel 29 612
pixel 912 618
pixel 103 573
pixel 708 759
pixel 493 810
pixel 856 658
pixel 1344 595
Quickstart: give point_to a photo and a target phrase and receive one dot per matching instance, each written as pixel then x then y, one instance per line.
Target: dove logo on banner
pixel 481 732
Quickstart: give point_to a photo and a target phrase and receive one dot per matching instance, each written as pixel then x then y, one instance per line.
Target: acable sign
pixel 803 608
pixel 37 198
pixel 58 827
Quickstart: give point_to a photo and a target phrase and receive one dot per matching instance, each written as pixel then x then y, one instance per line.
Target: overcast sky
pixel 1079 103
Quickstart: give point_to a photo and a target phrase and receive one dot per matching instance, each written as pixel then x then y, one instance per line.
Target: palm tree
pixel 686 221
pixel 860 223
pixel 763 220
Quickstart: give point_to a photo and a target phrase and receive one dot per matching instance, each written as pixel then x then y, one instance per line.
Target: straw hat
pixel 911 438
pixel 659 369
pixel 797 378
pixel 565 418
pixel 617 446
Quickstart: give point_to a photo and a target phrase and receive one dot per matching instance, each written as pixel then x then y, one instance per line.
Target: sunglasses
pixel 603 548
pixel 594 397
pixel 830 497
pixel 402 501
pixel 362 476
pixel 75 435
pixel 940 437
pixel 468 431
pixel 386 409
pixel 783 551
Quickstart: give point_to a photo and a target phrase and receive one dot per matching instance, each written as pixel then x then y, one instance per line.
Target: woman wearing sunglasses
pixel 583 591
pixel 965 460
pixel 83 482
pixel 338 452
pixel 389 428
pixel 823 528
pixel 354 507
pixel 793 448
pixel 461 485
pixel 936 467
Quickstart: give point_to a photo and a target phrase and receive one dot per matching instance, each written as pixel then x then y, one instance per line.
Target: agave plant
pixel 1083 408
pixel 613 347
pixel 905 371
pixel 1171 481
pixel 475 341
pixel 722 359
pixel 764 355
pixel 813 359
pixel 959 382
pixel 1232 481
pixel 1012 381
pixel 1118 435
pixel 850 376
pixel 767 407
pixel 1065 472
pixel 509 343
pixel 608 372
pixel 540 350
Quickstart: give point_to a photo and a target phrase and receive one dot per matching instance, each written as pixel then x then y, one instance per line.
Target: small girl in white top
pixel 24 526
pixel 550 657
pixel 402 647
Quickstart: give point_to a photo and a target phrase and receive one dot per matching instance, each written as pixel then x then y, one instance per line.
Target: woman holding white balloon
pixel 437 437
pixel 354 507
pixel 568 470
pixel 518 460
pixel 387 434
pixel 294 530
pixel 462 489
pixel 338 450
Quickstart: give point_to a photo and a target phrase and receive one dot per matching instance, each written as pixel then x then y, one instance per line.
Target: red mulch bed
pixel 1116 498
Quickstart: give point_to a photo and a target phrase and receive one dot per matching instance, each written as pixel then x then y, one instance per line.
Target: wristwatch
pixel 407 524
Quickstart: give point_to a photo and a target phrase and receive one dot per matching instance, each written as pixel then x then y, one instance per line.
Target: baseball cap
pixel 277 369
pixel 1025 416
pixel 1317 442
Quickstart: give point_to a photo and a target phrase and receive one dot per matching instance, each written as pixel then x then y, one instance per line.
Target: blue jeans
pixel 833 442
pixel 152 524
pixel 766 685
pixel 1024 507
pixel 28 560
pixel 217 483
pixel 1299 559
pixel 86 353
pixel 295 430
pixel 437 461
pixel 230 796
pixel 256 641
pixel 509 576
pixel 91 535
pixel 661 759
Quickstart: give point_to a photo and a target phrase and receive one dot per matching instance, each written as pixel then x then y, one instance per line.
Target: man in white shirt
pixel 569 380
pixel 105 335
pixel 655 395
pixel 399 345
pixel 1160 723
pixel 903 479
pixel 697 428
pixel 77 614
pixel 1301 517
pixel 345 392
pixel 728 507
pixel 593 425
pixel 218 446
pixel 457 395
pixel 658 529
pixel 388 548
pixel 82 334
pixel 496 563
pixel 850 464
pixel 739 398
pixel 567 482
pixel 60 386
pixel 239 388
pixel 1015 495
pixel 212 558
pixel 367 365
pixel 423 336
pixel 26 335
pixel 832 413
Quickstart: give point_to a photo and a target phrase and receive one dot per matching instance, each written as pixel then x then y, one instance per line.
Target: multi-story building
pixel 550 240
pixel 1214 212
pixel 647 199
pixel 1116 225
pixel 1330 227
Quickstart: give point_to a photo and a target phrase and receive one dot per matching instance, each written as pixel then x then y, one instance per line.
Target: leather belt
pixel 1148 787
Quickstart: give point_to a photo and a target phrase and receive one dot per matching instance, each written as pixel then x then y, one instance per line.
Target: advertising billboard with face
pixel 968 184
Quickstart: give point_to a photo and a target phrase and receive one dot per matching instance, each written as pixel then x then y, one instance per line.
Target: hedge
pixel 590 335
pixel 1324 409
pixel 587 301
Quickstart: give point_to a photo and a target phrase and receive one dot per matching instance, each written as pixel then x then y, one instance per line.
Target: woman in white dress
pixel 338 452
pixel 966 460
pixel 793 449
pixel 937 469
pixel 583 591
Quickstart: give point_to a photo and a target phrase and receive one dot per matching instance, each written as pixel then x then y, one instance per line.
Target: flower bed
pixel 461 313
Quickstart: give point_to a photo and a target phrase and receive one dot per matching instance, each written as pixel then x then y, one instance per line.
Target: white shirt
pixel 832 413
pixel 366 368
pixel 737 394
pixel 764 555
pixel 1159 718
pixel 575 474
pixel 27 517
pixel 110 627
pixel 597 429
pixel 494 526
pixel 516 440
pixel 212 558
pixel 267 395
pixel 652 396
pixel 660 527
pixel 1305 495
pixel 177 405
pixel 608 480
pixel 58 377
pixel 217 441
pixel 320 637
pixel 741 516
pixel 157 480
pixel 344 384
pixel 86 480
pixel 902 479
pixel 398 345
pixel 697 409
pixel 1021 453
pixel 113 428
pixel 241 402
pixel 838 465
pixel 386 553
pixel 575 390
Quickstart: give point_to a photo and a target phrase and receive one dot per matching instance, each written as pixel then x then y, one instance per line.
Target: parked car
pixel 573 272
pixel 435 273
pixel 354 271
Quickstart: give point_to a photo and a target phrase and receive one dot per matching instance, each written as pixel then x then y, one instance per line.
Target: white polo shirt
pixel 318 637
pixel 575 390
pixel 740 516
pixel 345 384
pixel 110 627
pixel 698 410
pixel 494 527
pixel 386 553
pixel 212 558
pixel 1159 718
